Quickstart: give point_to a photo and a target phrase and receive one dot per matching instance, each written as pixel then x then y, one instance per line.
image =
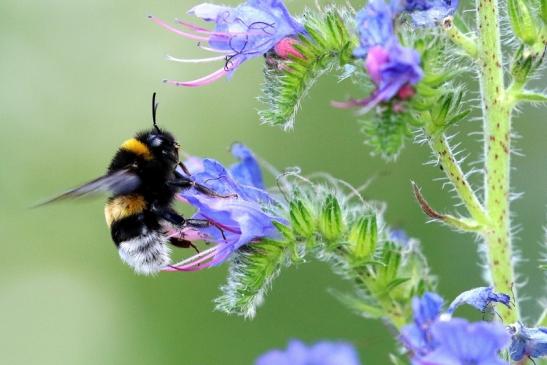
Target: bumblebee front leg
pixel 183 182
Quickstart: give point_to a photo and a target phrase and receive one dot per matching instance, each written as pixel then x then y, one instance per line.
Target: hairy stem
pixel 497 145
pixel 453 171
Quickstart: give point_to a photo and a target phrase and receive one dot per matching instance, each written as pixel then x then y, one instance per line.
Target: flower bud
pixel 331 222
pixel 362 237
pixel 301 218
pixel 523 23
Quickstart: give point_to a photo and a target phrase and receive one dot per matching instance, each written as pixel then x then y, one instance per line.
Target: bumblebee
pixel 142 181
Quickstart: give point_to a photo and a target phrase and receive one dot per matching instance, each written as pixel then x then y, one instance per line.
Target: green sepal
pixel 285 231
pixel 331 223
pixel 363 237
pixel 522 21
pixel 360 305
pixel 302 220
pixel 251 273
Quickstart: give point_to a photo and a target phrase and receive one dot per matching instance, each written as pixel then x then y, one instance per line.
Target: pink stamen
pixel 195 60
pixel 206 80
pixel 162 24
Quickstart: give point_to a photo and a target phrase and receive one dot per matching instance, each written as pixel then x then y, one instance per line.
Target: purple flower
pixel 480 298
pixel 459 342
pixel 530 342
pixel 249 30
pixel 426 310
pixel 234 221
pixel 322 353
pixel 394 69
pixel 429 12
pixel 374 26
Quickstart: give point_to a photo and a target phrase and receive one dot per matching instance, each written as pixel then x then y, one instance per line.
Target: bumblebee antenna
pixel 154 111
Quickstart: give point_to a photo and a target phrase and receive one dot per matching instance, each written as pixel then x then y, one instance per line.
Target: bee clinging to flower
pixel 143 179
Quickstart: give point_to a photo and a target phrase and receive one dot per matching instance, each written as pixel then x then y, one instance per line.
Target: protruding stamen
pixel 195 60
pixel 206 80
pixel 205 48
pixel 191 263
pixel 163 24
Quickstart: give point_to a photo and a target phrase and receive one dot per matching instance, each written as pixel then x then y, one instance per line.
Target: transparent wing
pixel 119 182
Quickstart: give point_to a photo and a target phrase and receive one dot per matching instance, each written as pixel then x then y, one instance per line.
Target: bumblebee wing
pixel 118 182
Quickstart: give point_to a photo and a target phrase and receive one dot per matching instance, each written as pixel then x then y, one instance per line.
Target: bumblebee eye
pixel 155 140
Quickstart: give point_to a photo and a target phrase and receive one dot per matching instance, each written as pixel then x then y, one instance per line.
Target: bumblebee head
pixel 161 145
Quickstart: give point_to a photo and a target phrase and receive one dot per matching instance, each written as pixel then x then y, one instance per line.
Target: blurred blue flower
pixel 458 342
pixel 322 353
pixel 426 310
pixel 249 30
pixel 529 342
pixel 374 26
pixel 234 221
pixel 429 12
pixel 400 237
pixel 480 298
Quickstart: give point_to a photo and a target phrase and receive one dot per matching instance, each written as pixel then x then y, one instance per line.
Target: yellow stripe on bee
pixel 137 147
pixel 122 207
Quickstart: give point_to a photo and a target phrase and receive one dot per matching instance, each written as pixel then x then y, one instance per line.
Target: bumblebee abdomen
pixel 137 234
pixel 123 206
pixel 146 254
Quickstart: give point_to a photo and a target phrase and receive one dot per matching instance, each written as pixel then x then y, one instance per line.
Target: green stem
pixel 497 144
pixel 453 171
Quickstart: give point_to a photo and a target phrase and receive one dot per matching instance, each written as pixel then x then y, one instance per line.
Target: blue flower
pixel 236 221
pixel 480 298
pixel 459 342
pixel 435 338
pixel 374 26
pixel 394 69
pixel 426 311
pixel 530 342
pixel 322 353
pixel 249 30
pixel 429 12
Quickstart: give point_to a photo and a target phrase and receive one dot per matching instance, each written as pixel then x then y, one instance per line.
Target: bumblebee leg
pixel 204 223
pixel 183 182
pixel 184 168
pixel 197 223
pixel 182 243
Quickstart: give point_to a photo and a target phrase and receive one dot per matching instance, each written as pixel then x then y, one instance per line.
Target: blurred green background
pixel 76 80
